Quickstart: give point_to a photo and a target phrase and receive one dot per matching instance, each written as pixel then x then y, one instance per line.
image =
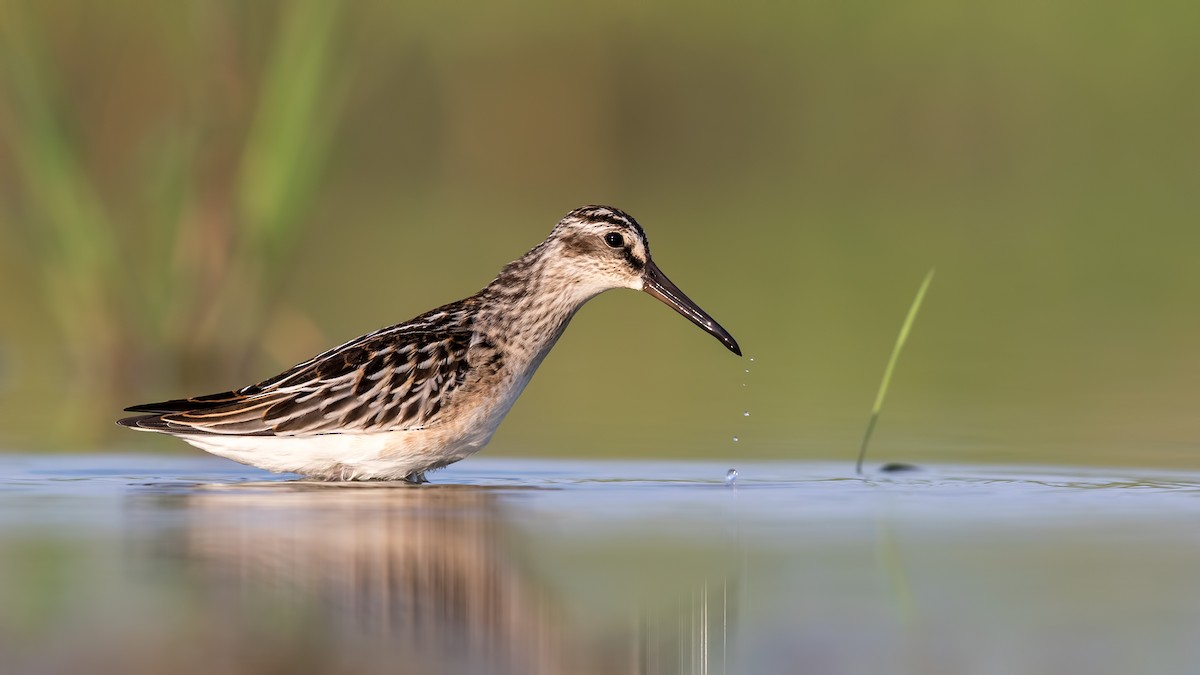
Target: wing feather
pixel 396 378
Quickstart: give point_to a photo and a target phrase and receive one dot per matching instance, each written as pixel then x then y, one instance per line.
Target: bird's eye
pixel 614 240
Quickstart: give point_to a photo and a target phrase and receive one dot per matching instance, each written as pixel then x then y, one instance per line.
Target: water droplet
pixel 731 476
pixel 746 414
pixel 747 370
pixel 735 439
pixel 751 359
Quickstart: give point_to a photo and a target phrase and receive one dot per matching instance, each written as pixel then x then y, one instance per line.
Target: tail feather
pixel 161 423
pixel 149 423
pixel 185 404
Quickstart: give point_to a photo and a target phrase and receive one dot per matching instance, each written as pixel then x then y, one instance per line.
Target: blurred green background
pixel 195 195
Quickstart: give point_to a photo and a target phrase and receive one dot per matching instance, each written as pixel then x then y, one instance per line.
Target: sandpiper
pixel 425 393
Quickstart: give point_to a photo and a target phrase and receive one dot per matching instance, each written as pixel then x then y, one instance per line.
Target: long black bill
pixel 658 285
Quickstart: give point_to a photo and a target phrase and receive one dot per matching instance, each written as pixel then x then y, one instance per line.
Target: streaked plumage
pixel 422 394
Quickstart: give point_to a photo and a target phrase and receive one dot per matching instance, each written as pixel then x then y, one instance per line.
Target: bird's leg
pixel 416 478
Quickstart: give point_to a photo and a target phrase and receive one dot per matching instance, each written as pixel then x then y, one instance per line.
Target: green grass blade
pixel 891 365
pixel 288 139
pixel 68 223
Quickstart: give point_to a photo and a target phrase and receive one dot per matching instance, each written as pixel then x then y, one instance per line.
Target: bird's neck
pixel 529 304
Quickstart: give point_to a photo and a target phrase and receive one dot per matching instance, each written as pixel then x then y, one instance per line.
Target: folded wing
pixel 390 380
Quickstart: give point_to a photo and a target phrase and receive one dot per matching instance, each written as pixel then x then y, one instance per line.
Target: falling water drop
pixel 746 414
pixel 735 439
pixel 731 476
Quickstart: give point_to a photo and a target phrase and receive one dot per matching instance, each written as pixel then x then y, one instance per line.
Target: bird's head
pixel 600 248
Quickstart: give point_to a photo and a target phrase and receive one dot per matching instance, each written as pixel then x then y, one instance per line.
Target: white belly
pixel 392 455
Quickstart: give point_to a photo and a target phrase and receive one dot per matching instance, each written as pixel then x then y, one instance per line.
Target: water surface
pixel 149 564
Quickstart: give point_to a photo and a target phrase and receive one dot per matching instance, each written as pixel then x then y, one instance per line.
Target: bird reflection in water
pixel 380 576
pixel 431 579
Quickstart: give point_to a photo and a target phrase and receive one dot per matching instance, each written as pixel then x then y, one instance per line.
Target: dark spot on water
pixel 898 467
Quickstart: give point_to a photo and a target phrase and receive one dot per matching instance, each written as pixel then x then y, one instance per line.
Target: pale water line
pixel 704 628
pixel 725 627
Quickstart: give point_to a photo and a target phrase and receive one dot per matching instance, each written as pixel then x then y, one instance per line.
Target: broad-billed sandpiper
pixel 428 392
